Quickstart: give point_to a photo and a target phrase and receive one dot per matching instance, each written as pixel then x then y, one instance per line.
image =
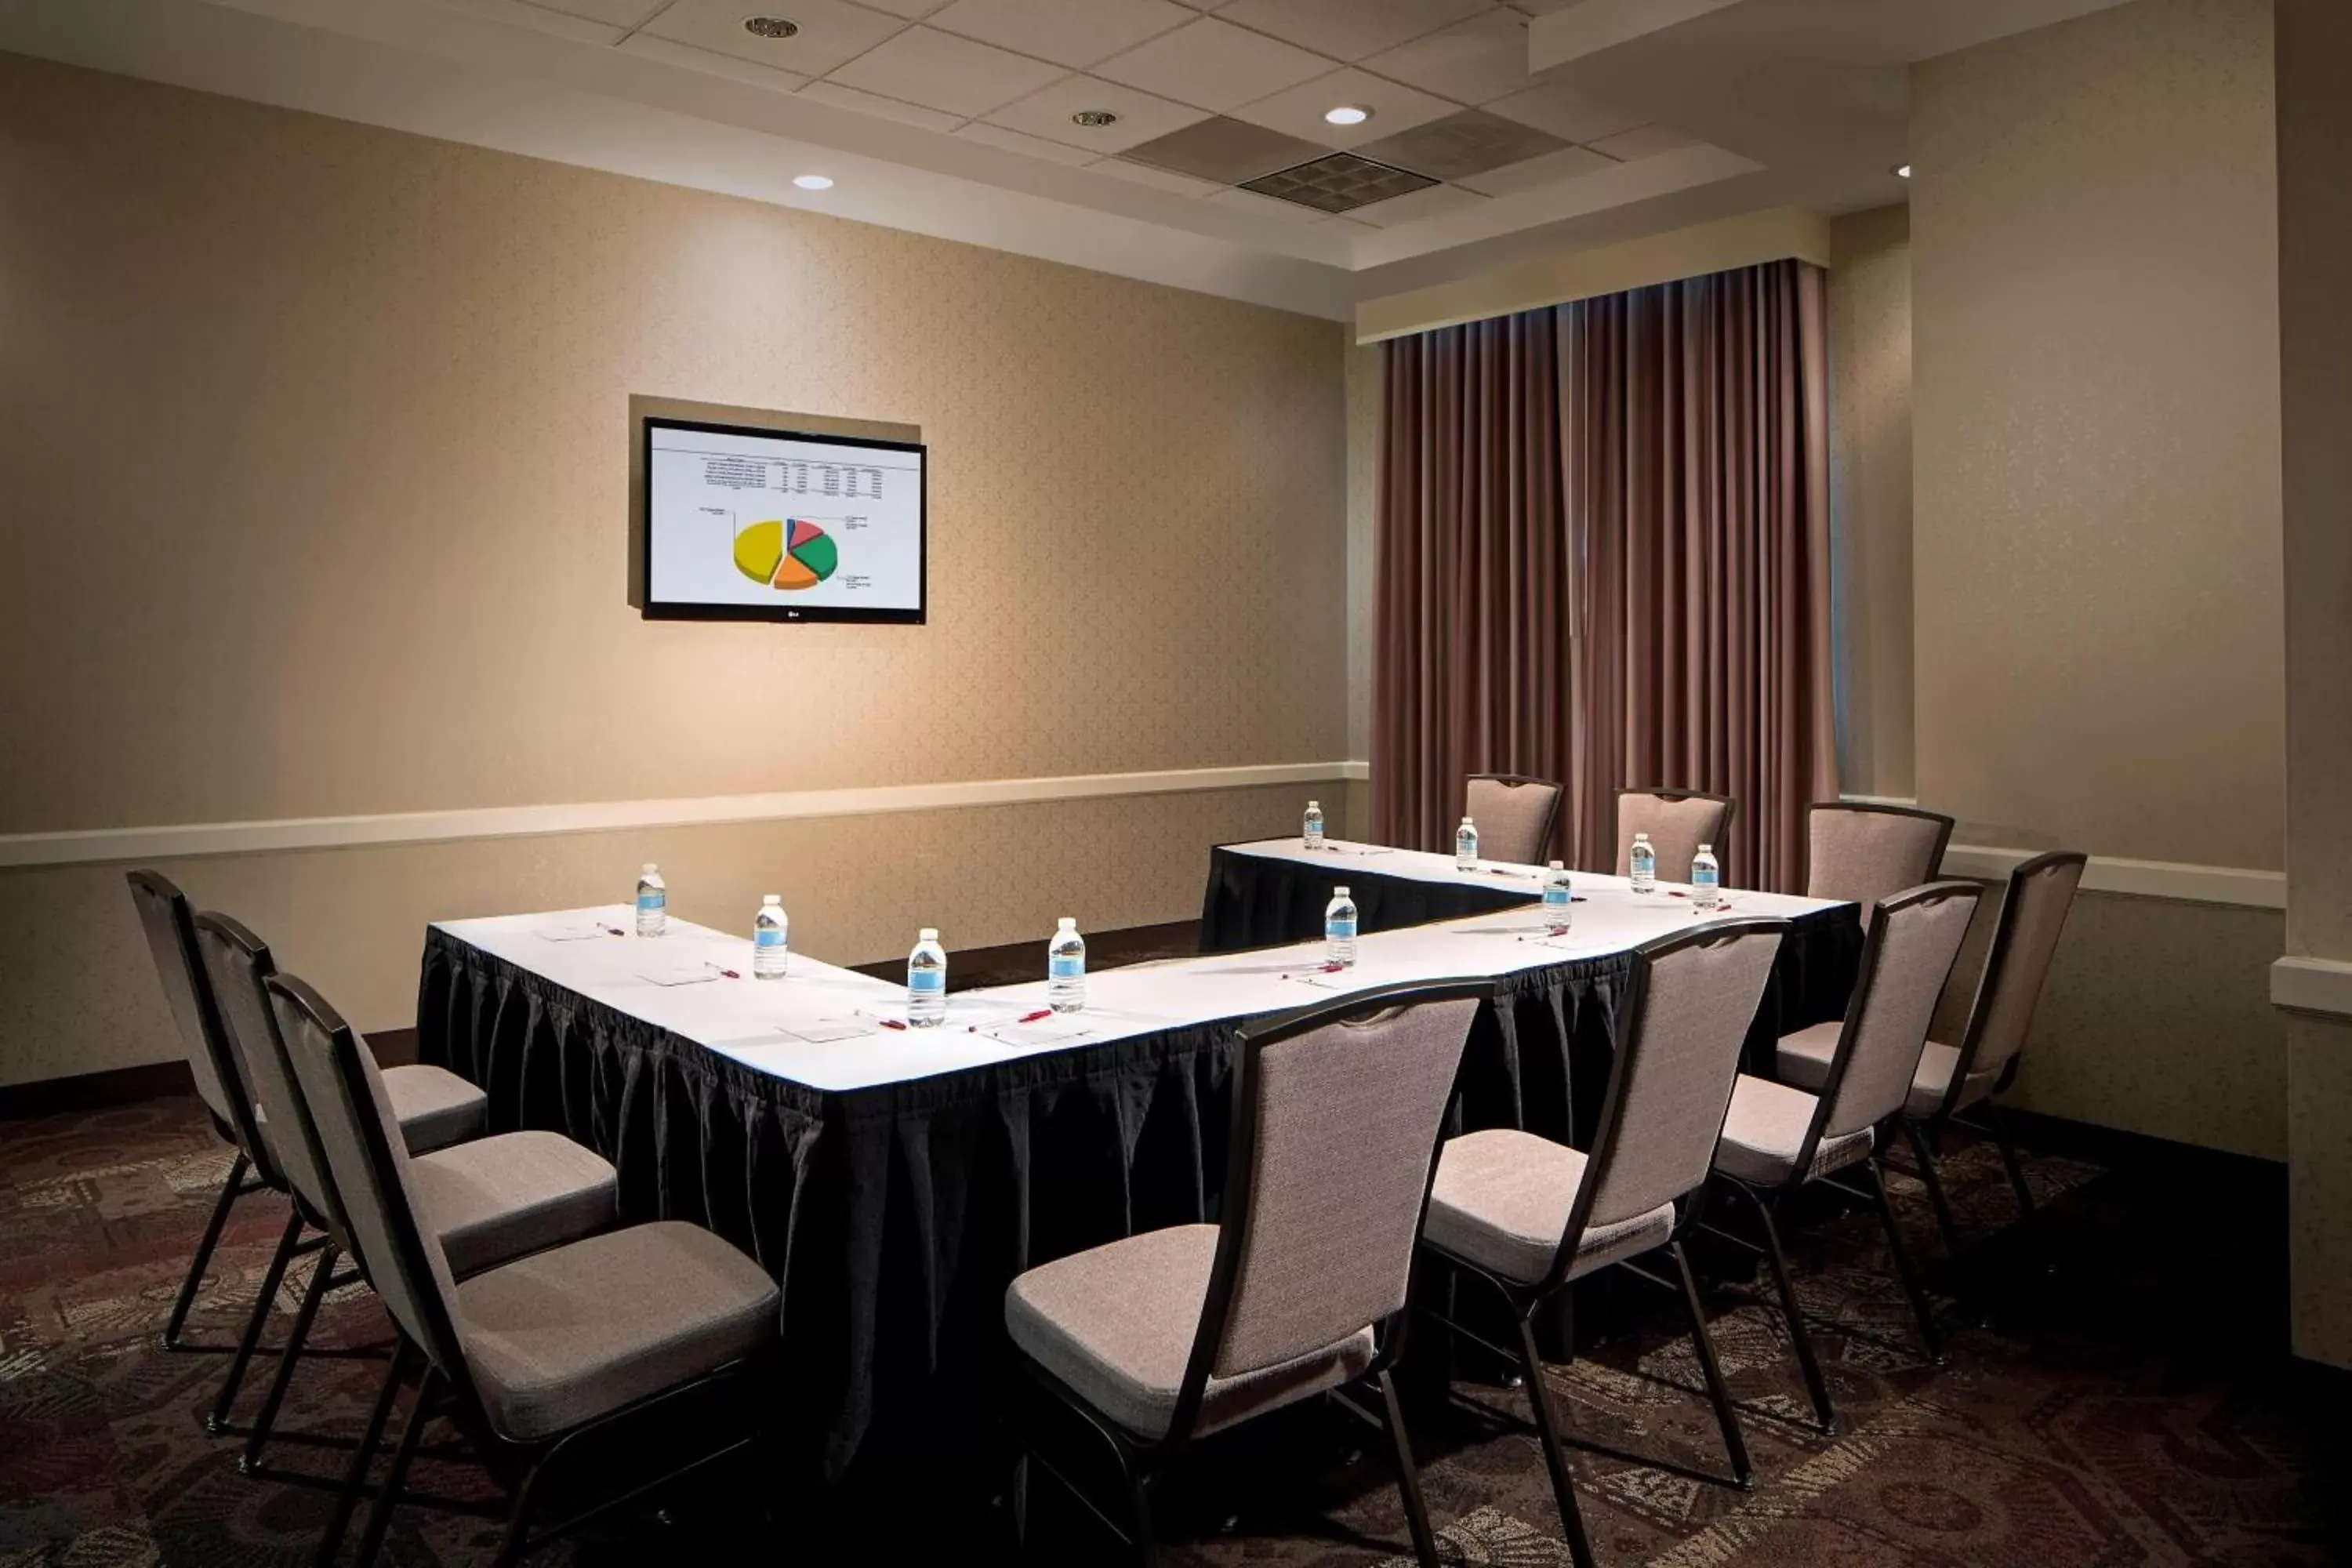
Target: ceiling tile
pixel 940 70
pixel 580 27
pixel 1646 143
pixel 612 13
pixel 1543 7
pixel 1073 32
pixel 1015 141
pixel 1226 151
pixel 1338 183
pixel 1565 112
pixel 1535 173
pixel 913 10
pixel 1145 175
pixel 1141 117
pixel 832 32
pixel 1349 29
pixel 1475 61
pixel 713 62
pixel 1469 142
pixel 841 97
pixel 1431 203
pixel 1298 110
pixel 1213 65
pixel 1264 207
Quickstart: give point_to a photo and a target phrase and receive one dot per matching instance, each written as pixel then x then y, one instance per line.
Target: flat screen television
pixel 746 524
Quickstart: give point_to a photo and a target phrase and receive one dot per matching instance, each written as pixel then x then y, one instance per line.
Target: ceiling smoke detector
pixel 1093 119
pixel 771 27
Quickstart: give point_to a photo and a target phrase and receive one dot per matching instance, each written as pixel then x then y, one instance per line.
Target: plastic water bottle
pixel 653 902
pixel 1314 827
pixel 1707 879
pixel 1645 865
pixel 771 938
pixel 1065 968
pixel 1558 896
pixel 926 980
pixel 1339 929
pixel 1466 845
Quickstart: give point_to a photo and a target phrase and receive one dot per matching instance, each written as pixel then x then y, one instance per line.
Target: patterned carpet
pixel 2130 1403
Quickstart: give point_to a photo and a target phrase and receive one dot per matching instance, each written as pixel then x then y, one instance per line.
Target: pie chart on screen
pixel 786 553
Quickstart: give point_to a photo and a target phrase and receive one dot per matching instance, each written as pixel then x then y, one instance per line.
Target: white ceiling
pixel 954 117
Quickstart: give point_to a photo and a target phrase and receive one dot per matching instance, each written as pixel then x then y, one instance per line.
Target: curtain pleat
pixel 1602 557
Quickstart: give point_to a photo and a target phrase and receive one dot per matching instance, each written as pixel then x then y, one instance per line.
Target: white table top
pixel 752 1022
pixel 1340 857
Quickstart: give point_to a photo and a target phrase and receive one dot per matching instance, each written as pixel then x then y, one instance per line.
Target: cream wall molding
pixel 99 845
pixel 2312 985
pixel 1746 240
pixel 2136 879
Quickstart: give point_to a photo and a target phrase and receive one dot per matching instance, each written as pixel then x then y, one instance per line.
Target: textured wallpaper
pixel 2095 276
pixel 323 428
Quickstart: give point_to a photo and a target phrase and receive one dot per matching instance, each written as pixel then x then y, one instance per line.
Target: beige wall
pixel 2097 527
pixel 2096 551
pixel 316 437
pixel 1870 498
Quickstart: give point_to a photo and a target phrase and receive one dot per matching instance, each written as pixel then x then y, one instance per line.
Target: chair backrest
pixel 2033 909
pixel 1690 1000
pixel 170 925
pixel 1677 821
pixel 368 1158
pixel 1904 964
pixel 1336 1118
pixel 1515 816
pixel 1864 853
pixel 238 964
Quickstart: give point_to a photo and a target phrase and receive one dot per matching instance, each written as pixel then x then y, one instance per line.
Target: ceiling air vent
pixel 1340 183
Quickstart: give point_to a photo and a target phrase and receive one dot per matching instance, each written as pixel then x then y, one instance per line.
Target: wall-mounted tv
pixel 746 524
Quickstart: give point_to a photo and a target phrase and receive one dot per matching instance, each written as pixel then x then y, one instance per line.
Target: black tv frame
pixel 654 609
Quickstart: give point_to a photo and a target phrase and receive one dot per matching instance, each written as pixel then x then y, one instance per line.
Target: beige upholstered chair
pixel 1777 1139
pixel 1677 821
pixel 538 1359
pixel 490 1200
pixel 1530 1215
pixel 1174 1334
pixel 1515 816
pixel 1865 853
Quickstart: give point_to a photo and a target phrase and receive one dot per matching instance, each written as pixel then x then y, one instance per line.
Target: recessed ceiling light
pixel 813 182
pixel 1093 119
pixel 1347 114
pixel 771 27
pixel 1902 171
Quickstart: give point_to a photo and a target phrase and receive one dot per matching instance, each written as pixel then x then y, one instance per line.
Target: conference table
pixel 896 1180
pixel 1273 889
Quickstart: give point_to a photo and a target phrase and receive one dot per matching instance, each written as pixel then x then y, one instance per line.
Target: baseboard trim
pixel 109 845
pixel 2117 1148
pixel 95 1091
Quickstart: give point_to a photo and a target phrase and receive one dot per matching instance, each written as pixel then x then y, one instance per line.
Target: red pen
pixel 891 1022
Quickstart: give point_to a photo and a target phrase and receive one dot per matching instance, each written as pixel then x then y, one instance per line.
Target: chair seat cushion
pixel 494 1200
pixel 1802 1059
pixel 1934 1077
pixel 565 1336
pixel 1116 1326
pixel 1502 1199
pixel 1766 1130
pixel 435 1107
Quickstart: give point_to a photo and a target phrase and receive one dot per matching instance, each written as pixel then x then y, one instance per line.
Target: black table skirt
pixel 1260 901
pixel 894 1217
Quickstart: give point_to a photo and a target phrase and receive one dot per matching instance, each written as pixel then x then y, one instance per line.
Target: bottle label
pixel 650 898
pixel 1556 897
pixel 1340 928
pixel 1705 877
pixel 927 982
pixel 767 938
pixel 1064 966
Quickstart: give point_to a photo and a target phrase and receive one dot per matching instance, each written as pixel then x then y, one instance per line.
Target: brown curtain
pixel 1471 590
pixel 1603 558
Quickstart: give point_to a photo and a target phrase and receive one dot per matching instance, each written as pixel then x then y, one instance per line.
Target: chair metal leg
pixel 380 1516
pixel 316 1292
pixel 1020 1501
pixel 1743 1471
pixel 518 1520
pixel 347 1499
pixel 1920 1309
pixel 1147 1538
pixel 217 1420
pixel 231 1190
pixel 1563 1484
pixel 1815 1385
pixel 1963 1277
pixel 1416 1508
pixel 1999 1122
